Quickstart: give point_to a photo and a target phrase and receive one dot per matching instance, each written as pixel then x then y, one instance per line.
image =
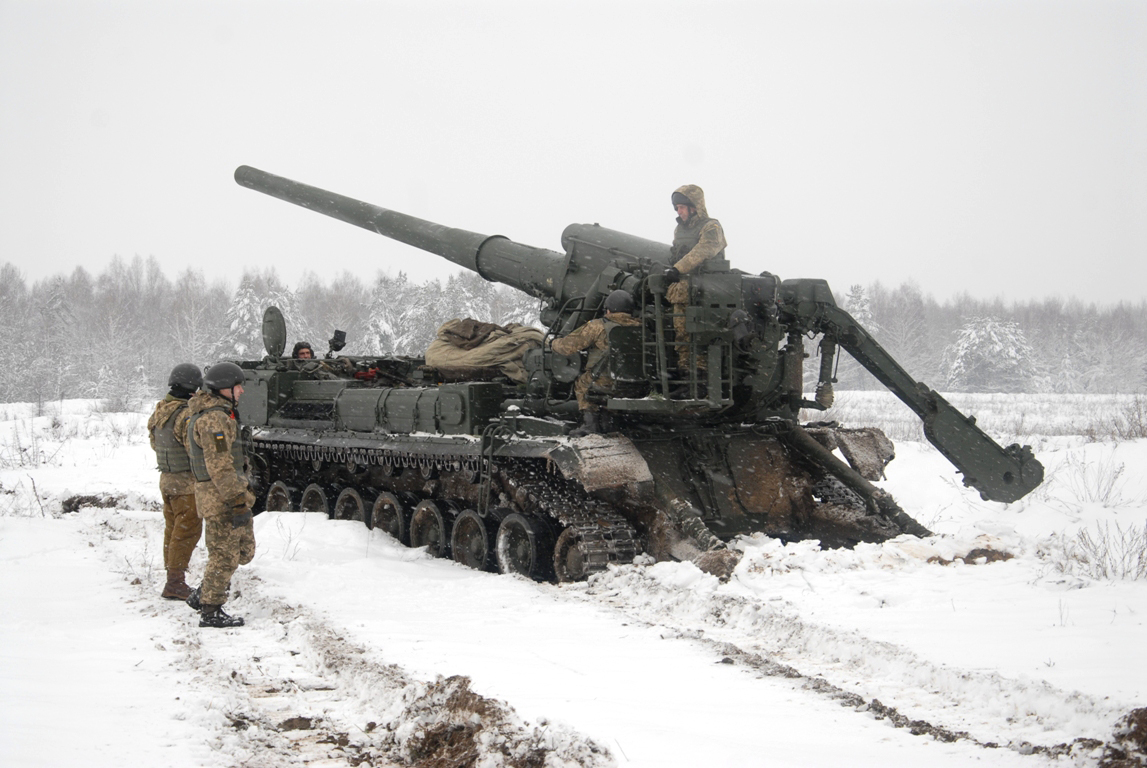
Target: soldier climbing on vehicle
pixel 594 336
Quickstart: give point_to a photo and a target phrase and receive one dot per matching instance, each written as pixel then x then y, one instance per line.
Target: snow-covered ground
pixel 361 652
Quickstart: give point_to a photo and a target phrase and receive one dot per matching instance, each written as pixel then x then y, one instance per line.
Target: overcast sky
pixel 996 148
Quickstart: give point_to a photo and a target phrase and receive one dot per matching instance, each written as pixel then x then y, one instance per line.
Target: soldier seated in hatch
pixel 594 336
pixel 304 361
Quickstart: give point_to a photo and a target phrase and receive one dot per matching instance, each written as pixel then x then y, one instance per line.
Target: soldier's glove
pixel 671 274
pixel 240 510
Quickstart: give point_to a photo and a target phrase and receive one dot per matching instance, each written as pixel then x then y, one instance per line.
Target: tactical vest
pixel 597 358
pixel 685 239
pixel 195 452
pixel 170 454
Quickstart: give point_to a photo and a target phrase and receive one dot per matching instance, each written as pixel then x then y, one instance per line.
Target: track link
pixel 600 533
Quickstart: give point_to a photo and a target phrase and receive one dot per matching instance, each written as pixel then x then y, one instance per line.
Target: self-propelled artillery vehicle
pixel 482 468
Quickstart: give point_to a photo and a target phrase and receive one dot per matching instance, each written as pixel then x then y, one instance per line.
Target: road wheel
pixel 472 539
pixel 315 500
pixel 569 557
pixel 390 516
pixel 278 497
pixel 523 546
pixel 430 528
pixel 350 506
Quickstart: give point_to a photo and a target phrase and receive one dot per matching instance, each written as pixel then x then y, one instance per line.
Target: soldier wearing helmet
pixel 221 491
pixel 594 336
pixel 696 239
pixel 167 429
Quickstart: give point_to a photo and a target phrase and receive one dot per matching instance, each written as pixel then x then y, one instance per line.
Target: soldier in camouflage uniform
pixel 696 239
pixel 594 336
pixel 221 493
pixel 167 429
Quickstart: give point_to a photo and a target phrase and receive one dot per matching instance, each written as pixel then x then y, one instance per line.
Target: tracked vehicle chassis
pixel 509 514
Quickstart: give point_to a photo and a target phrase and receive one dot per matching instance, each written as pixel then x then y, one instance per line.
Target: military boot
pixel 591 425
pixel 213 616
pixel 176 588
pixel 193 600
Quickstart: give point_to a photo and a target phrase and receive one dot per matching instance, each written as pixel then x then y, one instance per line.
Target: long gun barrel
pixel 537 271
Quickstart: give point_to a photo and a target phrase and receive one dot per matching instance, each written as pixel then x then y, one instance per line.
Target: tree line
pixel 973 345
pixel 116 335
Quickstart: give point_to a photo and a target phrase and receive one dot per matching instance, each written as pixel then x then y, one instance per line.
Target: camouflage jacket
pixel 171 409
pixel 214 440
pixel 699 239
pixel 593 336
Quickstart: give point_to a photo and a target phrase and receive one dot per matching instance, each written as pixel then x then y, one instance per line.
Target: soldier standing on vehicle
pixel 594 336
pixel 221 492
pixel 696 239
pixel 167 429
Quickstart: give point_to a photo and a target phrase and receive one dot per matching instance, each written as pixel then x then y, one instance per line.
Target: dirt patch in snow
pixel 977 556
pixel 1128 746
pixel 101 500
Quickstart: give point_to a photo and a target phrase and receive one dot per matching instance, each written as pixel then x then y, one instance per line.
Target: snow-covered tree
pixel 404 316
pixel 989 355
pixel 849 373
pixel 56 368
pixel 242 333
pixel 899 324
pixel 322 309
pixel 16 326
pixel 242 337
pixel 857 304
pixel 197 315
pixel 509 305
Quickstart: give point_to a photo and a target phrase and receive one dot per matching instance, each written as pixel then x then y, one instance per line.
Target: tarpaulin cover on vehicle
pixel 470 343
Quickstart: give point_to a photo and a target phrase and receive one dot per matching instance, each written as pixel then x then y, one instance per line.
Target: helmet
pixel 185 376
pixel 302 345
pixel 619 301
pixel 223 376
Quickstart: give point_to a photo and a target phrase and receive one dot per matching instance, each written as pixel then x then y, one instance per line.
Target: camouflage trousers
pixel 227 547
pixel 581 388
pixel 182 529
pixel 682 342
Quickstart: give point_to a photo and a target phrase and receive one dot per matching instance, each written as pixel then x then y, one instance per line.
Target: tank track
pixel 848 509
pixel 830 490
pixel 600 534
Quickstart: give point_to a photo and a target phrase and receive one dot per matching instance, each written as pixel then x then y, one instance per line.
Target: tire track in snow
pixel 288 689
pixel 874 677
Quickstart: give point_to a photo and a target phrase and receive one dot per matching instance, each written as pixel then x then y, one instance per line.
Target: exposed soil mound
pixel 1128 747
